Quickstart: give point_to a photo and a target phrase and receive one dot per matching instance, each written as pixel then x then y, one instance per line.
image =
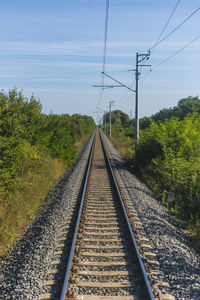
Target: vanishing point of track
pixel 104 261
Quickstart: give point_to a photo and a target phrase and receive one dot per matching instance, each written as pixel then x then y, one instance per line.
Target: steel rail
pixel 69 265
pixel 146 280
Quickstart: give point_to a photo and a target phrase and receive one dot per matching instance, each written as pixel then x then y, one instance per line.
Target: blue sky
pixel 53 49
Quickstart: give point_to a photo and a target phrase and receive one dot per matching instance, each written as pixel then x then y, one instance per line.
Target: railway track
pixel 104 261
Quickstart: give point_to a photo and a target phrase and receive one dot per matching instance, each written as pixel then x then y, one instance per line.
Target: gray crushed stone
pixel 179 261
pixel 22 271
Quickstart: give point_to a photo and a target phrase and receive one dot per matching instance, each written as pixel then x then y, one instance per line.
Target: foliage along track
pixel 103 261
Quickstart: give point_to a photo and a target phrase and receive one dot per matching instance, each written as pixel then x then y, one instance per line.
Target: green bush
pixel 168 158
pixel 168 155
pixel 34 149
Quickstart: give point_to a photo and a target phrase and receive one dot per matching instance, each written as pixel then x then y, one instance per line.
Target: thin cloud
pixel 64 47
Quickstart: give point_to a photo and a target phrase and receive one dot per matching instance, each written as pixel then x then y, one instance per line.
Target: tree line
pixel 168 156
pixel 26 131
pixel 35 148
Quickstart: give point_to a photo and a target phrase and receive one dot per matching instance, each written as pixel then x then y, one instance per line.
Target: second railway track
pixel 104 261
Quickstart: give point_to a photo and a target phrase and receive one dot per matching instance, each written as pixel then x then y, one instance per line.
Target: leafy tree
pixel 168 159
pixel 22 126
pixel 188 105
pixel 184 107
pixel 168 155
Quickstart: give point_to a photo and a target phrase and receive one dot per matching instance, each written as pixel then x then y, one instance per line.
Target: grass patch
pixel 34 151
pixel 124 146
pixel 79 145
pixel 19 206
pixel 37 174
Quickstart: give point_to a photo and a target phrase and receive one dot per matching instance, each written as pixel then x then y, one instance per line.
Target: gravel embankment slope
pixel 22 272
pixel 178 260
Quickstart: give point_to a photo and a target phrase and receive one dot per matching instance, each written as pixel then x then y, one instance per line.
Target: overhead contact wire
pixel 176 28
pixel 177 52
pixel 125 94
pixel 104 52
pixel 171 56
pixel 169 19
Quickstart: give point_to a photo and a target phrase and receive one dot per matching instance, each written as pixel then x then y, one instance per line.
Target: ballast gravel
pixel 179 261
pixel 23 270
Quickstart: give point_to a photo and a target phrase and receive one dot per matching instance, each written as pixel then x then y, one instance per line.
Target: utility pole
pixel 136 101
pixel 139 59
pixel 110 106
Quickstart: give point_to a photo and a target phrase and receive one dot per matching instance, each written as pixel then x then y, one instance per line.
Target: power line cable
pixel 171 56
pixel 177 52
pixel 123 97
pixel 176 28
pixel 159 37
pixel 105 36
pixel 104 52
pixel 169 19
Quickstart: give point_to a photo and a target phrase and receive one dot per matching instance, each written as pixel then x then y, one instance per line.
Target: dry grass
pixel 119 145
pixel 79 145
pixel 18 208
pixel 124 146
